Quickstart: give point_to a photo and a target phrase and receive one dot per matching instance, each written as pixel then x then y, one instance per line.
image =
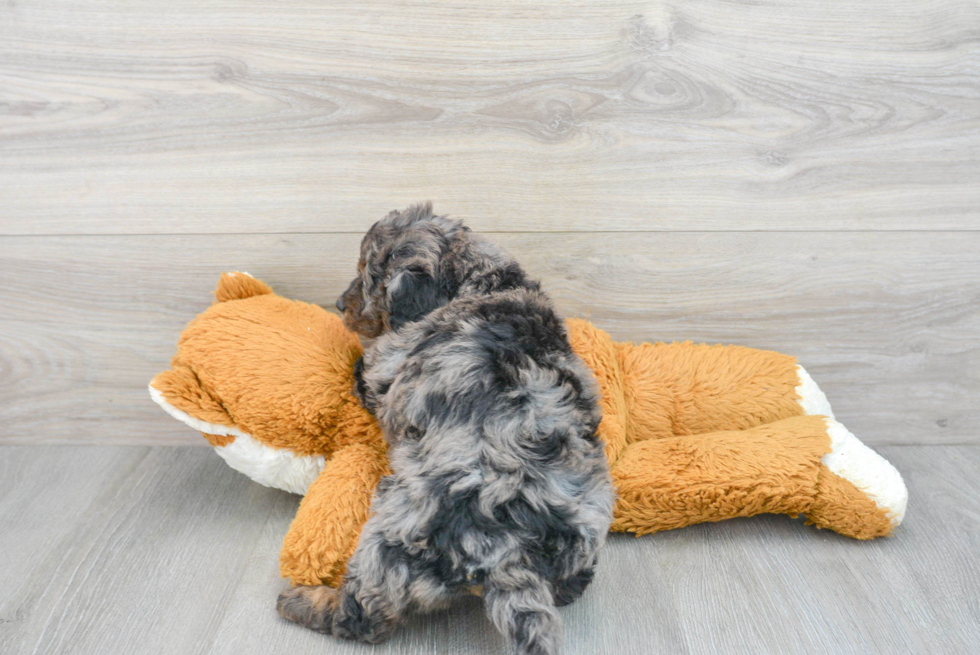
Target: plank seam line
pixel 487 232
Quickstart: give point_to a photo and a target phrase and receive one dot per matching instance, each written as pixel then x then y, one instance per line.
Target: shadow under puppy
pixel 499 481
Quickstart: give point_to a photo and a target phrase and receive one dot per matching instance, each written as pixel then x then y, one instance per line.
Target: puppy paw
pixel 312 607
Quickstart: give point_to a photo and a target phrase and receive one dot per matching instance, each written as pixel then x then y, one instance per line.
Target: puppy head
pixel 400 277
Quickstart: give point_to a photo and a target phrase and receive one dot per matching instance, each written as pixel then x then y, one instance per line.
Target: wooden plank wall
pixel 802 176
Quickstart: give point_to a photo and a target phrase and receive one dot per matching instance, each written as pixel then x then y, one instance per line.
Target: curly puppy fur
pixel 499 480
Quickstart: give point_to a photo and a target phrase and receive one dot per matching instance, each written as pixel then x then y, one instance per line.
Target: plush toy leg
pixel 775 468
pixel 663 390
pixel 855 487
pixel 675 389
pixel 852 471
pixel 325 531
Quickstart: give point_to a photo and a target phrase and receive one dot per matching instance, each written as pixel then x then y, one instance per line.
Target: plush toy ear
pixel 238 285
pixel 412 293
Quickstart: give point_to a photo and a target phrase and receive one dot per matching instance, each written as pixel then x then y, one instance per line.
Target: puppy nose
pixel 340 304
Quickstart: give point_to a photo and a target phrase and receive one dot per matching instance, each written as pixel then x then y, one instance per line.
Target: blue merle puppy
pixel 499 480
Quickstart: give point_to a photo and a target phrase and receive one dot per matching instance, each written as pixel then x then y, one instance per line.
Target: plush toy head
pixel 267 381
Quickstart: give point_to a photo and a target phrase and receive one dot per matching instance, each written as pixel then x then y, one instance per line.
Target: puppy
pixel 499 480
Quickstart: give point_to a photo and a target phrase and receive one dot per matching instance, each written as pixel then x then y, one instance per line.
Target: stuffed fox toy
pixel 692 432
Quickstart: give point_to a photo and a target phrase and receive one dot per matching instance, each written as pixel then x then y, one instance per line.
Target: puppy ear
pixel 412 293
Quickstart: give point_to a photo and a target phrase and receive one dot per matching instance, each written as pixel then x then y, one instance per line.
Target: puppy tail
pixel 312 607
pixel 520 604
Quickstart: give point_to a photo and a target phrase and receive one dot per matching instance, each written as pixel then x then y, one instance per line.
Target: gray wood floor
pixel 802 176
pixel 128 549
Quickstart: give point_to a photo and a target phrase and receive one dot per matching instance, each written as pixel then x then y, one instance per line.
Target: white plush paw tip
pixel 812 398
pixel 867 470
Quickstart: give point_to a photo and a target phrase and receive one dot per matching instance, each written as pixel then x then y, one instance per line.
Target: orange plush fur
pixel 693 433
